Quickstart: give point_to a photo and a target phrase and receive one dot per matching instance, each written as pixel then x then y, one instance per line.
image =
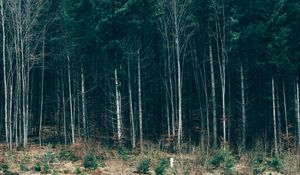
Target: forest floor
pixel 95 159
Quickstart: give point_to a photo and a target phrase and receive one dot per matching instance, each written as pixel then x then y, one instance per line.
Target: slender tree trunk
pixel 83 104
pixel 224 104
pixel 118 107
pixel 278 115
pixel 132 126
pixel 4 75
pixel 297 101
pixel 42 93
pixel 274 117
pixel 64 106
pixel 285 110
pixel 71 103
pixel 179 80
pixel 244 117
pixel 213 92
pixel 140 101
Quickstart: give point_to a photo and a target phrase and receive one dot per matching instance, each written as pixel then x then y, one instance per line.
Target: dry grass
pixel 195 162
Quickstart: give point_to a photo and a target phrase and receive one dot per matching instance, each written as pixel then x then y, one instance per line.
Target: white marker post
pixel 171 162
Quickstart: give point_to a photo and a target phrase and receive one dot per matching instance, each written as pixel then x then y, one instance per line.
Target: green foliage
pixel 261 164
pixel 217 160
pixel 49 157
pixel 11 173
pixel 4 167
pixel 78 171
pixel 162 167
pixel 67 155
pixel 123 153
pixel 46 168
pixel 24 163
pixel 144 166
pixel 223 159
pixel 90 162
pixel 37 167
pixel 275 163
pixel 55 172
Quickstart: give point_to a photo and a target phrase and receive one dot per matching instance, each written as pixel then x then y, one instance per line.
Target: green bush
pixel 78 171
pixel 90 162
pixel 67 155
pixel 46 168
pixel 162 167
pixel 224 159
pixel 144 166
pixel 49 157
pixel 23 166
pixel 259 165
pixel 218 159
pixel 4 166
pixel 275 164
pixel 10 173
pixel 37 167
pixel 123 153
pixel 24 163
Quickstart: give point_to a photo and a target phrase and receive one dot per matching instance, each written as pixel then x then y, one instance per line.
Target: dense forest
pixel 178 73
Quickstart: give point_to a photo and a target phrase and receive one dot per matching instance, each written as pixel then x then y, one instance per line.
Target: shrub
pixel 123 153
pixel 144 166
pixel 67 155
pixel 78 171
pixel 90 162
pixel 217 160
pixel 46 168
pixel 225 159
pixel 37 167
pixel 258 166
pixel 4 167
pixel 275 163
pixel 10 173
pixel 162 167
pixel 49 157
pixel 23 164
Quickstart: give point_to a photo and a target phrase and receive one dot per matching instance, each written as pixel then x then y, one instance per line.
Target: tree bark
pixel 285 110
pixel 42 92
pixel 132 126
pixel 4 76
pixel 83 104
pixel 297 102
pixel 140 101
pixel 64 106
pixel 213 92
pixel 274 117
pixel 71 102
pixel 244 117
pixel 118 107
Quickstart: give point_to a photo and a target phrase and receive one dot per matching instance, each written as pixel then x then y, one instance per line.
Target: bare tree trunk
pixel 4 76
pixel 285 110
pixel 70 101
pixel 179 80
pixel 42 92
pixel 118 106
pixel 274 117
pixel 83 104
pixel 64 106
pixel 297 102
pixel 132 126
pixel 244 117
pixel 140 101
pixel 213 92
pixel 278 115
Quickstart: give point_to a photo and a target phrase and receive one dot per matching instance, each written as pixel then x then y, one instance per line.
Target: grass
pixel 93 159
